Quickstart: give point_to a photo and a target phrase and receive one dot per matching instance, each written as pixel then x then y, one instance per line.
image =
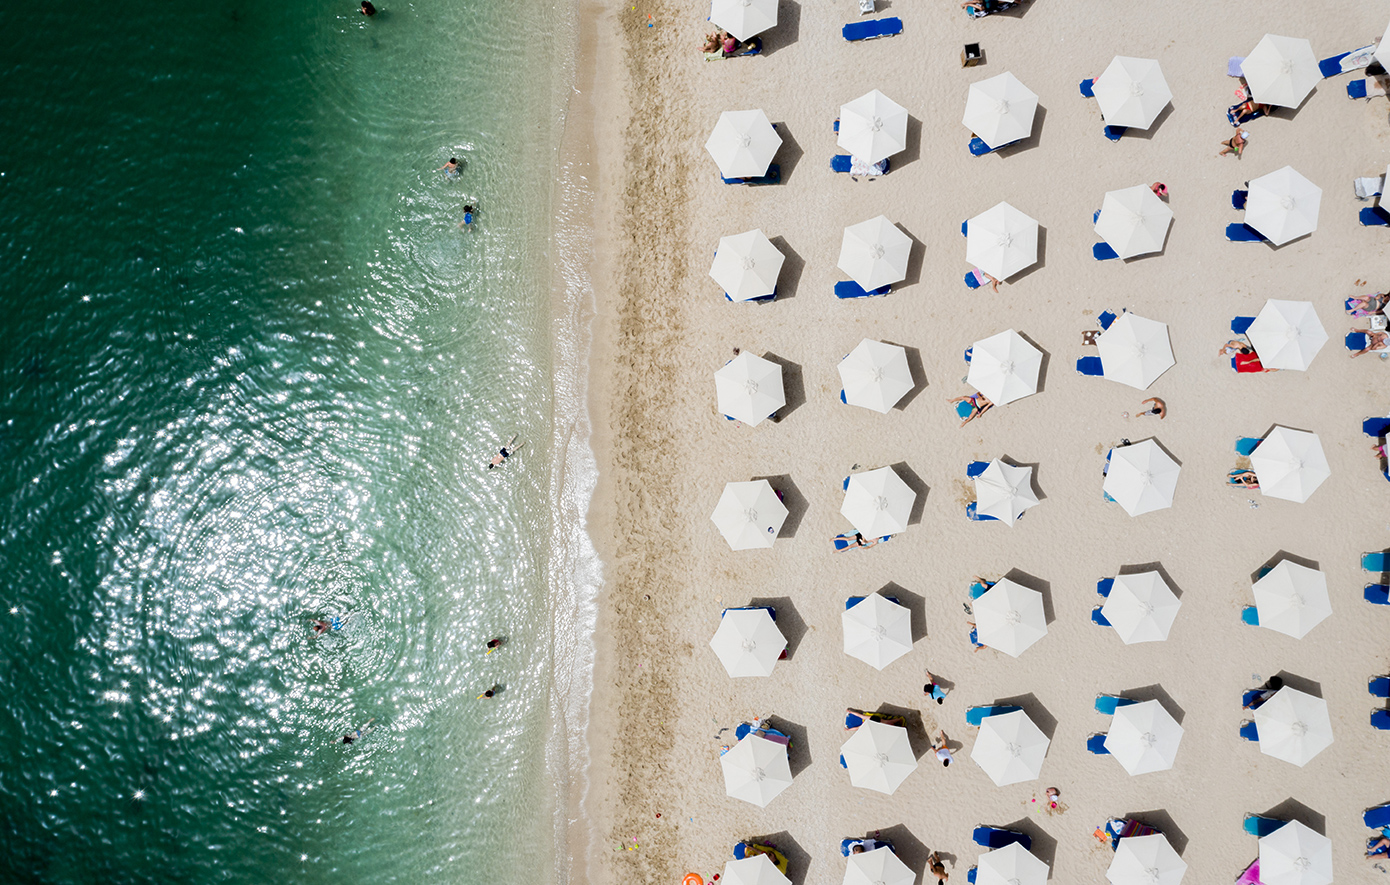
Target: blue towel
pixel 1088 87
pixel 1259 826
pixel 1240 325
pixel 868 30
pixel 994 837
pixel 841 163
pixel 1375 427
pixel 1250 615
pixel 1356 89
pixel 1243 233
pixel 1331 67
pixel 1379 686
pixel 1090 365
pixel 964 408
pixel 740 851
pixel 1357 341
pixel 970 280
pixel 975 468
pixel 1098 618
pixel 1238 198
pixel 1378 594
pixel 978 147
pixel 1103 252
pixel 1103 586
pixel 1105 319
pixel 851 289
pixel 1248 731
pixel 1374 216
pixel 975 715
pixel 1115 133
pixel 1096 744
pixel 1373 562
pixel 1377 817
pixel 1380 719
pixel 1246 445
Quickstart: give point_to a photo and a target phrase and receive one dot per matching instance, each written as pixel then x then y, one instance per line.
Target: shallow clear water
pixel 251 370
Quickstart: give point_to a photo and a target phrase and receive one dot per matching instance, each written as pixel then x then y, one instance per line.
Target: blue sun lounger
pixel 1090 365
pixel 1250 615
pixel 772 612
pixel 1380 719
pixel 845 163
pixel 855 600
pixel 1103 587
pixel 972 513
pixel 970 280
pixel 977 589
pixel 1098 617
pixel 1377 817
pixel 1106 704
pixel 1105 319
pixel 1246 445
pixel 1258 825
pixel 1356 341
pixel 1096 744
pixel 1103 252
pixel 1244 233
pixel 970 875
pixel 975 468
pixel 976 715
pixel 1331 67
pixel 1249 697
pixel 772 176
pixel 871 29
pixel 1238 197
pixel 1379 686
pixel 1377 594
pixel 1115 133
pixel 1374 562
pixel 996 837
pixel 1241 325
pixel 1374 216
pixel 851 289
pixel 1248 731
pixel 1356 89
pixel 1088 88
pixel 1375 427
pixel 844 542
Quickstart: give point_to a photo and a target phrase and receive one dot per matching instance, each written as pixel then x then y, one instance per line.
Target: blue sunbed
pixel 772 176
pixel 1241 325
pixel 1257 825
pixel 977 589
pixel 1115 133
pixel 1246 445
pixel 975 715
pixel 842 761
pixel 1103 586
pixel 1088 87
pixel 855 600
pixel 1250 615
pixel 1356 89
pixel 1106 318
pixel 845 163
pixel 1377 817
pixel 970 875
pixel 1376 427
pixel 1096 744
pixel 1106 704
pixel 1380 719
pixel 851 289
pixel 1379 686
pixel 1374 216
pixel 1373 562
pixel 772 612
pixel 1238 197
pixel 972 513
pixel 1378 594
pixel 1248 731
pixel 1249 697
pixel 843 542
pixel 1103 252
pixel 868 30
pixel 978 147
pixel 969 352
pixel 1357 341
pixel 994 837
pixel 842 397
pixel 970 280
pixel 965 228
pixel 1098 618
pixel 1331 67
pixel 975 468
pixel 1090 365
pixel 1243 233
pixel 847 845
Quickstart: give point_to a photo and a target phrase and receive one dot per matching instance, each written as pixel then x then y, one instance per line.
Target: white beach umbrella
pixel 1135 350
pixel 1001 241
pixel 1283 205
pixel 1143 737
pixel 749 514
pixel 1293 726
pixel 756 770
pixel 1132 92
pixel 1142 477
pixel 1009 617
pixel 756 870
pixel 878 867
pixel 1289 464
pixel 748 642
pixel 749 388
pixel 1281 70
pixel 874 253
pixel 1010 865
pixel 878 631
pixel 1145 860
pixel 743 18
pixel 1010 748
pixel 1141 607
pixel 1292 599
pixel 1382 53
pixel 878 502
pixel 1294 854
pixel 875 375
pixel 873 127
pixel 1134 221
pixel 1000 110
pixel 1004 367
pixel 878 756
pixel 743 144
pixel 746 265
pixel 1004 491
pixel 1287 334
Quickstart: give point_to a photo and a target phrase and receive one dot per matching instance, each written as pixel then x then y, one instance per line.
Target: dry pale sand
pixel 656 806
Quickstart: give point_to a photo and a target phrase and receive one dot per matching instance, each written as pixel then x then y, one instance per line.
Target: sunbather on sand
pixel 713 42
pixel 1244 478
pixel 1378 846
pixel 979 404
pixel 855 542
pixel 1246 110
pixel 1235 144
pixel 1375 341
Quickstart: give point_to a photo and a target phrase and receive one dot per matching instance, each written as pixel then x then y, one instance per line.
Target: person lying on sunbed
pixel 1366 305
pixel 1245 111
pixel 1246 359
pixel 1375 341
pixel 852 542
pixel 978 405
pixel 713 42
pixel 981 8
pixel 1243 477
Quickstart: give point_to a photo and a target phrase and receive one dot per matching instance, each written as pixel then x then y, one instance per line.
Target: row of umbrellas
pixel 1010 865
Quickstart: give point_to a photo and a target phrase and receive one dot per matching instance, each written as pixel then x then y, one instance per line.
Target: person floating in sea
pixel 494 644
pixel 504 453
pixel 450 168
pixel 467 217
pixel 368 8
pixel 349 738
pixel 321 627
pixel 490 693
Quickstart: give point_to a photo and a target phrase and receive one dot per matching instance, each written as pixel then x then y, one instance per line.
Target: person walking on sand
pixel 504 453
pixel 932 690
pixel 349 738
pixel 1158 408
pixel 937 869
pixel 943 752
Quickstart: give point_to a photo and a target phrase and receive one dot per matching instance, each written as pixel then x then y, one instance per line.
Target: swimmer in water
pixel 467 217
pixel 494 644
pixel 451 167
pixel 506 452
pixel 368 8
pixel 490 693
pixel 322 627
pixel 349 738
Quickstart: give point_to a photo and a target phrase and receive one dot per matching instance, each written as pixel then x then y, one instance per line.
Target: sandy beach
pixel 655 807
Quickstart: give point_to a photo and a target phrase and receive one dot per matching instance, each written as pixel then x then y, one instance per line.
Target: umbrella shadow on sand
pixel 1300 683
pixel 916 729
pixel 909 849
pixel 1279 557
pixel 916 256
pixel 793 387
pixel 789 154
pixel 799 753
pixel 1042 718
pixel 792 266
pixel 1044 847
pixel 916 605
pixel 1033 140
pixel 1147 134
pixel 1292 809
pixel 1161 820
pixel 1138 568
pixel 1158 693
pixel 1035 466
pixel 1023 579
pixel 798 858
pixel 916 370
pixel 792 499
pixel 1037 265
pixel 913 151
pixel 788 28
pixel 789 620
pixel 919 488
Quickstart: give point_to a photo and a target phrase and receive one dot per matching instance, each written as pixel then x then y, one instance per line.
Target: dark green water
pixel 250 371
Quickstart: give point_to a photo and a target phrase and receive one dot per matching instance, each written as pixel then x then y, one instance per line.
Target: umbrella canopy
pixel 873 127
pixel 1004 367
pixel 1281 70
pixel 1289 464
pixel 1287 334
pixel 1135 350
pixel 1293 726
pixel 1134 221
pixel 1142 477
pixel 748 642
pixel 1132 92
pixel 749 514
pixel 1010 865
pixel 756 870
pixel 1141 607
pixel 1145 860
pixel 1292 599
pixel 743 144
pixel 1010 748
pixel 875 375
pixel 743 18
pixel 1004 491
pixel 878 502
pixel 1143 737
pixel 1283 205
pixel 1382 53
pixel 874 253
pixel 878 756
pixel 1001 241
pixel 749 388
pixel 1295 855
pixel 1009 617
pixel 746 265
pixel 1000 110
pixel 878 631
pixel 878 867
pixel 756 770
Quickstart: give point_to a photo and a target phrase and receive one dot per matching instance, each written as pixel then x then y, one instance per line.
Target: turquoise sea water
pixel 251 370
